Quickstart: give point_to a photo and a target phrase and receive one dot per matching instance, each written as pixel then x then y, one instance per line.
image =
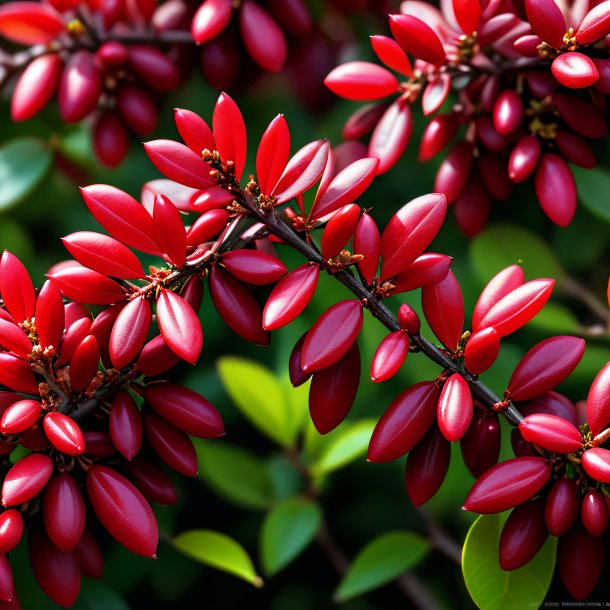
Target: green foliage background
pixel 249 488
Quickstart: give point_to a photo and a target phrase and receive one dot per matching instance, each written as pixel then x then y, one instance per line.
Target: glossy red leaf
pixel 17 375
pixel 57 573
pixel 518 307
pixel 122 216
pixel 172 446
pixel 230 133
pixel 72 339
pixel 185 409
pixel 467 14
pixel 208 226
pixel 123 510
pixel 524 158
pixel 35 85
pixel 103 254
pixel 546 20
pixel 273 153
pixel 454 171
pixel 64 433
pixel 429 268
pixel 508 484
pixel 50 316
pixel 405 422
pixel 557 198
pixel 87 286
pixel 84 364
pixel 129 332
pixel 339 230
pixel 237 306
pixel 125 425
pixel 581 116
pixel 508 112
pixel 367 243
pixel 290 296
pixel 481 351
pixel 454 410
pixel 137 109
pixel 596 462
pixel 417 38
pixel 169 230
pixel 30 23
pixel 297 375
pixel 502 284
pixel 594 512
pixel 408 319
pixel 410 232
pixel 14 339
pixel 153 67
pixel 389 356
pixel 332 335
pixel 11 530
pixel 391 135
pixel 345 187
pixel 20 416
pixel 361 81
pixel 211 18
pixel 480 446
pixel 80 86
pixel 262 36
pixel 443 307
pixel 523 535
pixel 333 391
pixel 561 507
pixel 580 557
pixel 391 54
pixel 435 94
pixel 575 149
pixel 180 326
pixel 8 593
pixel 64 512
pixel 595 24
pixel 437 134
pixel 545 366
pixel 598 401
pixel 551 433
pixel 302 171
pixel 574 70
pixel 195 132
pixel 179 163
pixel 154 483
pixel 26 479
pixel 254 267
pixel 156 358
pixel 16 288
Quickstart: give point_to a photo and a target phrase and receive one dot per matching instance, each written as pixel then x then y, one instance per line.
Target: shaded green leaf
pixel 24 163
pixel 218 551
pixel 343 446
pixel 234 473
pixel 490 587
pixel 381 561
pixel 259 396
pixel 95 595
pixel 557 319
pixel 287 531
pixel 505 244
pixel 593 187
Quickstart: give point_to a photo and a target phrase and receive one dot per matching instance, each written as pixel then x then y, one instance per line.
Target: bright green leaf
pixel 347 444
pixel 95 595
pixel 287 531
pixel 297 407
pixel 381 561
pixel 234 473
pixel 218 551
pixel 490 587
pixel 593 187
pixel 24 163
pixel 259 396
pixel 505 244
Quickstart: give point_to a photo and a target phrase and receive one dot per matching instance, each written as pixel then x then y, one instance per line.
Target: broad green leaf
pixel 95 595
pixel 259 396
pixel 24 163
pixel 218 551
pixel 557 319
pixel 593 188
pixel 490 587
pixel 234 473
pixel 297 407
pixel 348 443
pixel 287 531
pixel 381 561
pixel 506 244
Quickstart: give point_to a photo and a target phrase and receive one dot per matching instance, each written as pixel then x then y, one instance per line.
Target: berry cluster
pixel 529 82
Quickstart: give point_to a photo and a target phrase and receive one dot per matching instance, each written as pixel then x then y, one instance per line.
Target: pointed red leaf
pixel 598 401
pixel 20 416
pixel 87 286
pixel 429 268
pixel 481 351
pixel 17 375
pixel 230 133
pixel 50 316
pixel 389 356
pixel 211 18
pixel 391 54
pixel 435 94
pixel 72 339
pixel 254 267
pixel 391 135
pixel 575 70
pixel 595 24
pixel 547 21
pixel 16 288
pixel 84 363
pixel 26 479
pixel 80 86
pixel 129 332
pixel 30 23
pixel 467 14
pixel 64 512
pixel 14 339
pixel 172 446
pixel 551 433
pixel 122 216
pixel 179 326
pixel 169 230
pixel 195 132
pixel 339 230
pixel 11 530
pixel 558 198
pixel 361 81
pixel 367 243
pixel 454 411
pixel 125 425
pixel 417 38
pixel 273 153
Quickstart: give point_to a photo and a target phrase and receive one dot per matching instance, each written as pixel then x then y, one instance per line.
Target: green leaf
pixel 490 587
pixel 24 163
pixel 259 396
pixel 381 561
pixel 593 187
pixel 555 318
pixel 234 473
pixel 287 531
pixel 347 444
pixel 506 244
pixel 95 595
pixel 218 551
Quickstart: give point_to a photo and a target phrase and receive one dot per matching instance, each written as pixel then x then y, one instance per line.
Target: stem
pixel 574 288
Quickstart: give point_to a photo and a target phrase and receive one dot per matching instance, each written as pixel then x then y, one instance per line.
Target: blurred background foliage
pixel 289 497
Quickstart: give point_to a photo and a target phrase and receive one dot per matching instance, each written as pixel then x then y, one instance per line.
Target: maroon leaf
pixel 480 445
pixel 129 332
pixel 595 25
pixel 125 425
pixel 11 530
pixel 211 18
pixel 64 433
pixel 179 326
pixel 547 21
pixel 230 133
pixel 562 507
pixel 523 535
pixel 253 267
pixel 80 86
pixel 558 198
pixel 594 512
pixel 63 512
pixel 174 447
pixel 154 483
pixel 156 358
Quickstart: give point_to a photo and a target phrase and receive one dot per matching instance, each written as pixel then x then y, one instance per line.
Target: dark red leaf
pixel 454 411
pixel 598 401
pixel 129 332
pixel 125 425
pixel 254 267
pixel 64 512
